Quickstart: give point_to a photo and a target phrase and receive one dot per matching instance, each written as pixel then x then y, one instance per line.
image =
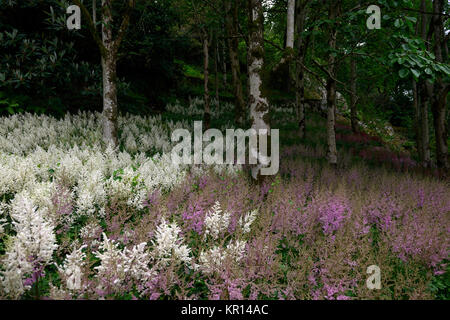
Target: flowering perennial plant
pixel 79 220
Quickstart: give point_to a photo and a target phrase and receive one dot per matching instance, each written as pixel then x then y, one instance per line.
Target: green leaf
pixel 403 73
pixel 415 73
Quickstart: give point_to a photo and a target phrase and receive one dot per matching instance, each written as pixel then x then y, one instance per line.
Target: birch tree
pixel 109 47
pixel 259 106
pixel 290 24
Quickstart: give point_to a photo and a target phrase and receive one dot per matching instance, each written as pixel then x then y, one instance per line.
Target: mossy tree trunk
pixel 259 106
pixel 109 47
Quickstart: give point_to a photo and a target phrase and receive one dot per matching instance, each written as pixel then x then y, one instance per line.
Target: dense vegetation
pixel 92 205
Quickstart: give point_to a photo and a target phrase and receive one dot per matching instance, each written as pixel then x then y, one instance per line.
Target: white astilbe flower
pixel 136 263
pixel 91 233
pixel 56 293
pixel 236 250
pixel 110 256
pixel 168 244
pixel 71 268
pixel 211 260
pixel 31 247
pixel 118 265
pixel 15 265
pixel 91 192
pixel 130 143
pixel 216 221
pixel 245 222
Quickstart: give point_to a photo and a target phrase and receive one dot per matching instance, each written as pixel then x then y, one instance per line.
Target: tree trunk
pixel 299 74
pixel 259 106
pixel 231 22
pixel 94 12
pixel 439 99
pixel 353 97
pixel 331 88
pixel 108 49
pixel 109 61
pixel 290 24
pixel 440 129
pixel 425 89
pixel 207 114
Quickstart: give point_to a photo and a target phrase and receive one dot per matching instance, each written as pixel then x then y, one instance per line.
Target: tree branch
pixel 124 26
pixel 92 28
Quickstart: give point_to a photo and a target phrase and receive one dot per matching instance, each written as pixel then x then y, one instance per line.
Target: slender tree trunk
pixel 440 129
pixel 424 90
pixel 259 106
pixel 108 47
pixel 109 62
pixel 207 114
pixel 331 88
pixel 299 74
pixel 353 97
pixel 439 99
pixel 290 24
pixel 289 37
pixel 416 99
pixel 94 12
pixel 231 22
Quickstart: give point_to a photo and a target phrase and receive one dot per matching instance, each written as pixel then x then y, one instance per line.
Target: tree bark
pixel 108 50
pixel 439 99
pixel 331 88
pixel 290 24
pixel 231 21
pixel 424 91
pixel 259 106
pixel 109 62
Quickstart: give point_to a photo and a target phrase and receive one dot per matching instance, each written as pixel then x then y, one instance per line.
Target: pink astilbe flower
pixel 333 213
